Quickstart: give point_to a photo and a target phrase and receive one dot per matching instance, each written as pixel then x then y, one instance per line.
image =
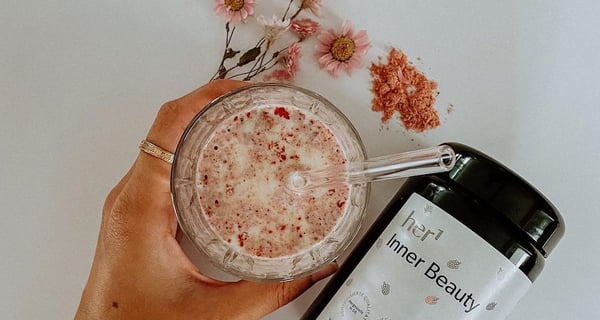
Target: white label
pixel 427 265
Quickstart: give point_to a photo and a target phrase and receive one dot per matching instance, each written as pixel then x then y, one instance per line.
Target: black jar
pixel 464 244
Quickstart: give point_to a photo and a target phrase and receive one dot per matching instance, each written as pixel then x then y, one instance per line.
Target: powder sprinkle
pixel 399 87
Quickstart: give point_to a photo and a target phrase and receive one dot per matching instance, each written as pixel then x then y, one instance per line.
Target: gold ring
pixel 156 151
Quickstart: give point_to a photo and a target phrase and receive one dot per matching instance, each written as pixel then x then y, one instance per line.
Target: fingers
pixel 260 299
pixel 148 193
pixel 175 115
pixel 114 193
pixel 146 202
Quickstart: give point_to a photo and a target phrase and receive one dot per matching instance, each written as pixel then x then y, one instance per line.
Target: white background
pixel 81 81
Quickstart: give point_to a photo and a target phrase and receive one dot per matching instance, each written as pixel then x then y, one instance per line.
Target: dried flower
pixel 279 75
pixel 342 51
pixel 273 27
pixel 294 54
pixel 304 28
pixel 235 10
pixel 290 61
pixel 313 5
pixel 278 56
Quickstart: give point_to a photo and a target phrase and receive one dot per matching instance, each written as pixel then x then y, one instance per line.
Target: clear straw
pixel 393 166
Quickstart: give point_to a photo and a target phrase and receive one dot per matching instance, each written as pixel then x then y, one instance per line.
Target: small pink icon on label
pixel 431 300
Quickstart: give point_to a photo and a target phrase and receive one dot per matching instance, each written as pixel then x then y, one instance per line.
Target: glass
pixel 187 184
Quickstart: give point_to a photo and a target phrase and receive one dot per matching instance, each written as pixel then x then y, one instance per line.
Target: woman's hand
pixel 139 270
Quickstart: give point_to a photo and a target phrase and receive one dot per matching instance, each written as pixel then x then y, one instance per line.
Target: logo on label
pixel 420 230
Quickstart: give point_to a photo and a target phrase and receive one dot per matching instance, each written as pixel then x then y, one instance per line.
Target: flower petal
pixel 333 66
pixel 327 37
pixel 335 71
pixel 219 9
pixel 348 71
pixel 244 14
pixel 250 10
pixel 361 38
pixel 347 27
pixel 326 59
pixel 355 62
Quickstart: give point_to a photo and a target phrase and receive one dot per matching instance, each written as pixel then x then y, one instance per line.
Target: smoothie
pixel 243 171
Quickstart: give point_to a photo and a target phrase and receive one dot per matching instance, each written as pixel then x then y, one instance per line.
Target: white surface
pixel 80 82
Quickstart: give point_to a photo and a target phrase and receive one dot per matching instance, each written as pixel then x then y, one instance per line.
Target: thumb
pixel 259 299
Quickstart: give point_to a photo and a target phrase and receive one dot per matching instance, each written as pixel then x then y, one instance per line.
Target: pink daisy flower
pixel 342 51
pixel 291 65
pixel 235 10
pixel 304 28
pixel 313 5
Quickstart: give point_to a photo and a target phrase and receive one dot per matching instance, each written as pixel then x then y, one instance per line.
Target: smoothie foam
pixel 243 170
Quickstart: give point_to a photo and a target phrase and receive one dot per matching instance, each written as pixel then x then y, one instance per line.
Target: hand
pixel 139 270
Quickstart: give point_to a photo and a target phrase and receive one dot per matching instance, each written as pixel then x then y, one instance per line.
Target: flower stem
pixel 256 72
pixel 262 56
pixel 258 62
pixel 222 71
pixel 287 10
pixel 262 67
pixel 260 42
pixel 297 11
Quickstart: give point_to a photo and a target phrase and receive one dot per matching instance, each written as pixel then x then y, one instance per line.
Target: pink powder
pixel 399 87
pixel 243 171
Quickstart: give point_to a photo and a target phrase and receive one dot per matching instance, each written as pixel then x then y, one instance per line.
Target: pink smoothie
pixel 244 168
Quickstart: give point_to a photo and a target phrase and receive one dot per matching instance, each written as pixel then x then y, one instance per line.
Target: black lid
pixel 509 194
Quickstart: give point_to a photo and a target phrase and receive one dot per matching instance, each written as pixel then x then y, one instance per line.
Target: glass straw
pixel 392 166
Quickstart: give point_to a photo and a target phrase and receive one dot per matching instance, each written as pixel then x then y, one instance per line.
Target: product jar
pixel 464 244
